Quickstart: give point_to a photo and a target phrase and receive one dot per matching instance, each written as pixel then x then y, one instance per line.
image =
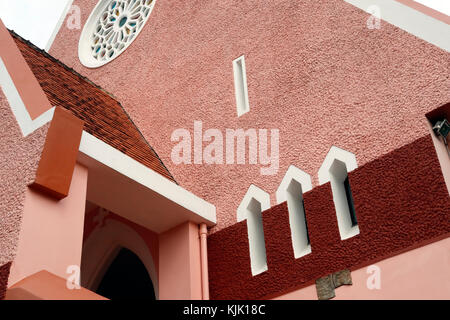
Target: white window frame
pixel 291 189
pixel 253 204
pixel 240 86
pixel 334 169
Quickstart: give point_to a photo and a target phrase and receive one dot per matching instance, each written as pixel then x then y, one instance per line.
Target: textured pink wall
pixel 401 203
pixel 57 243
pixel 314 71
pixel 418 274
pixel 179 258
pixel 19 158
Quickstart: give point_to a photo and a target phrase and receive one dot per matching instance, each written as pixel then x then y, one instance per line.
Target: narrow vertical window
pixel 240 86
pixel 253 204
pixel 297 219
pixel 256 238
pixel 306 222
pixel 351 206
pixel 343 200
pixel 291 189
pixel 335 168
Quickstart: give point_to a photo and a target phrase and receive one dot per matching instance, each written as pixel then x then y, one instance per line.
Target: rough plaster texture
pixel 4 274
pixel 19 159
pixel 401 203
pixel 314 71
pixel 400 277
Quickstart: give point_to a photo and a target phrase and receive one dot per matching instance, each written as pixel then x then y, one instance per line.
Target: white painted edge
pixel 336 180
pixel 304 179
pixel 410 20
pixel 26 124
pixel 256 193
pixel 293 173
pixel 108 155
pixel 127 166
pixel 245 107
pixel 58 25
pixel 340 154
pixel 255 232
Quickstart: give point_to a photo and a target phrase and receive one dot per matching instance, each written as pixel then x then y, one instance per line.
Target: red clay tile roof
pixel 103 115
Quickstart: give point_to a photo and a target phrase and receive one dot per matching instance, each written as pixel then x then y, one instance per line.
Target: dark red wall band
pixel 4 275
pixel 401 203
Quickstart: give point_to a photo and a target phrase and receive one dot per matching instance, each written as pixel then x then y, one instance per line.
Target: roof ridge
pixel 88 81
pixel 146 141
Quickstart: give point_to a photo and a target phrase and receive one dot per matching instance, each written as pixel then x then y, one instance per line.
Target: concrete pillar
pixel 51 235
pixel 179 263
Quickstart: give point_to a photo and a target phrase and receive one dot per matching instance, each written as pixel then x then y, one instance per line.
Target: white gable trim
pixel 187 205
pixel 412 21
pixel 26 124
pixel 101 152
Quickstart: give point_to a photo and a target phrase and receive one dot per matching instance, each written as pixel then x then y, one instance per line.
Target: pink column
pixel 51 235
pixel 204 255
pixel 179 263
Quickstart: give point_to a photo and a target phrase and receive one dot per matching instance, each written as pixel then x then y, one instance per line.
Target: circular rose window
pixel 111 28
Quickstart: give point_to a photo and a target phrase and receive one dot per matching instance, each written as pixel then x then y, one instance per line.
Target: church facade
pixel 227 150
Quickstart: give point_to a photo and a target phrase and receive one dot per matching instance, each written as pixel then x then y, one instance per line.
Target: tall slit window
pixel 297 219
pixel 351 206
pixel 240 86
pixel 343 200
pixel 306 223
pixel 334 169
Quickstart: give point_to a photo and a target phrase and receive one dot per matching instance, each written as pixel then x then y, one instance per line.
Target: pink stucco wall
pixel 314 71
pixel 57 242
pixel 95 219
pixel 19 158
pixel 179 257
pixel 426 278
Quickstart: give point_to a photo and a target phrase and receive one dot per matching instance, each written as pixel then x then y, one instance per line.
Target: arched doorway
pixel 103 247
pixel 126 278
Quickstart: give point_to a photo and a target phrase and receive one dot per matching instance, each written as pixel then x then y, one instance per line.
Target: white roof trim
pixel 185 205
pixel 58 25
pixel 412 21
pixel 26 124
pixel 101 152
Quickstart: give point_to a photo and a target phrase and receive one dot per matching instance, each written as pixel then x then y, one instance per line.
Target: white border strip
pixel 412 21
pixel 109 156
pixel 18 108
pixel 58 25
pixel 127 166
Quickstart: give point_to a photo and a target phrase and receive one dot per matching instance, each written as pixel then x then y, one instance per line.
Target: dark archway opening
pixel 126 278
